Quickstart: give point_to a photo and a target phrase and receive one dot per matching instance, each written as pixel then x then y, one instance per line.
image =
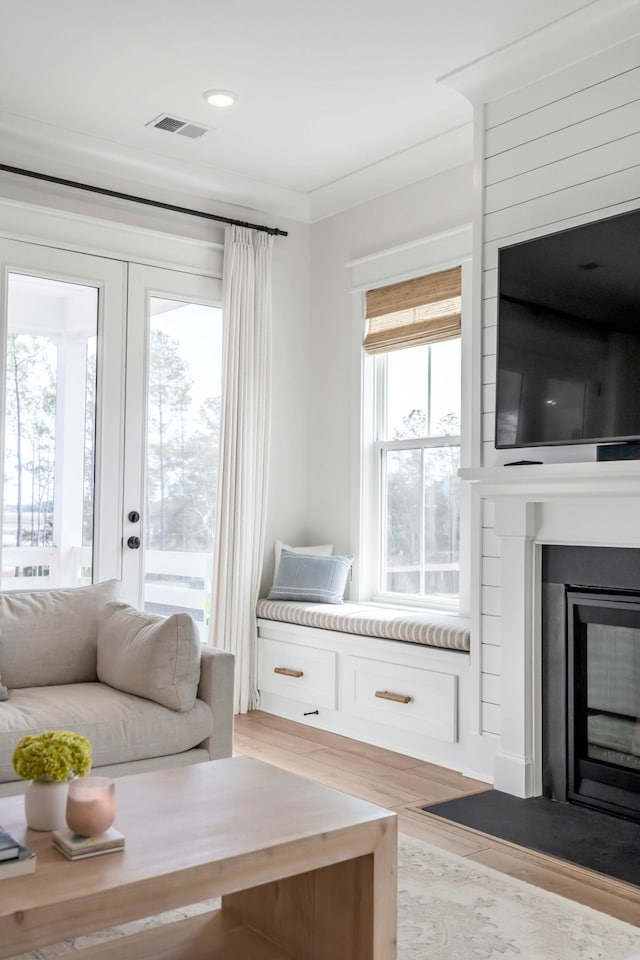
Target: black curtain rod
pixel 274 231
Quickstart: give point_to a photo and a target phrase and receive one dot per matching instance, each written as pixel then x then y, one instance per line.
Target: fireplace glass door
pixel 604 701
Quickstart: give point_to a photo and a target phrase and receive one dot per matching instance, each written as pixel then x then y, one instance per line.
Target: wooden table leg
pixel 346 910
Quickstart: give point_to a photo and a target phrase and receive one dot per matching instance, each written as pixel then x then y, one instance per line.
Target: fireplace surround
pixel 593 505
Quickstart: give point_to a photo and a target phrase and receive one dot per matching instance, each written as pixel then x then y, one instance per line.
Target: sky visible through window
pixel 408 385
pixel 192 326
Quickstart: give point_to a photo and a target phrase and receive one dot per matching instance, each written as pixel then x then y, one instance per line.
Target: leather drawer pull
pixel 396 697
pixel 288 673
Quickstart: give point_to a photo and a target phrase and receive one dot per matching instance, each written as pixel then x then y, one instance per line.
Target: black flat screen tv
pixel 568 343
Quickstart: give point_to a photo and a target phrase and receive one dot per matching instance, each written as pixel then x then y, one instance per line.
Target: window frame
pixel 429 255
pixel 379 595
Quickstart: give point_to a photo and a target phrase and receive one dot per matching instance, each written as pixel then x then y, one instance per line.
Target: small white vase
pixel 45 804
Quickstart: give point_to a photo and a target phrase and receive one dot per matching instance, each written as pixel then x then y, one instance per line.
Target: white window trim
pixel 427 255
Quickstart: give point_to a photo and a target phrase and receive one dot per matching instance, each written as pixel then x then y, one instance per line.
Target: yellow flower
pixel 54 755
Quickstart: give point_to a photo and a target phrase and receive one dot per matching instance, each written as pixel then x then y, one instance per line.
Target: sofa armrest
pixel 216 689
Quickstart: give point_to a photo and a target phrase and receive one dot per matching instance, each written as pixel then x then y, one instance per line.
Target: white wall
pixel 289 447
pixel 560 152
pixel 429 206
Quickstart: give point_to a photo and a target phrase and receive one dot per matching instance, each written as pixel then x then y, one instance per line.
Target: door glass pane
pixel 183 434
pixel 49 438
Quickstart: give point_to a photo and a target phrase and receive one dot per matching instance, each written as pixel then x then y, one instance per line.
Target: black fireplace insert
pixel 603 700
pixel 591 678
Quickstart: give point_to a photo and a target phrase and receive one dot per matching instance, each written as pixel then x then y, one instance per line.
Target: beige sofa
pixel 142 688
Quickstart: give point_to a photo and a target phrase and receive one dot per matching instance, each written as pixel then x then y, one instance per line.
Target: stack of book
pixel 75 847
pixel 14 858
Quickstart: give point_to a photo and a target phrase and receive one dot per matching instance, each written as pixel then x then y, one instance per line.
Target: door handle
pixel 134 543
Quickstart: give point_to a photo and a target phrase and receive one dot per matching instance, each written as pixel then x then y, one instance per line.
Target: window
pixel 416 437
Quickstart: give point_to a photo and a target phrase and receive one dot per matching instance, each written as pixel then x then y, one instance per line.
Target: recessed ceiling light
pixel 220 98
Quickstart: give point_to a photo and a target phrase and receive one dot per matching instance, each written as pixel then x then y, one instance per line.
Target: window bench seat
pixel 396 679
pixel 430 629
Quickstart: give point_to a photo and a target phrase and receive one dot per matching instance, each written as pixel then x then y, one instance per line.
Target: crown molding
pixel 42 147
pixel 443 152
pixel 577 36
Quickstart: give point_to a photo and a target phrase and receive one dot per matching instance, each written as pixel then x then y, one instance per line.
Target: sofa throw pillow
pixel 310 578
pixel 49 637
pixel 150 656
pixel 322 550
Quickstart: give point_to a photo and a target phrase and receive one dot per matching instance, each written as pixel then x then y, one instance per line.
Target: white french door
pixel 173 389
pixel 110 402
pixel 62 339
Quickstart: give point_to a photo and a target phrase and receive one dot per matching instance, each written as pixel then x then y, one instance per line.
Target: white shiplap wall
pixel 557 153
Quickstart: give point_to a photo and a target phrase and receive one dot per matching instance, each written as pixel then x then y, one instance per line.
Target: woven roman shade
pixel 414 312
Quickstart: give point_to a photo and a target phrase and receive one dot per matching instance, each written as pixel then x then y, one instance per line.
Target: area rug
pixel 450 908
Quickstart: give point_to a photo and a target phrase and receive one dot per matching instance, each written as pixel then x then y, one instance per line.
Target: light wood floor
pixel 403 784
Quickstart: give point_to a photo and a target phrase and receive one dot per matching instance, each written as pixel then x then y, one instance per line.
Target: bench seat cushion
pixel 433 630
pixel 120 727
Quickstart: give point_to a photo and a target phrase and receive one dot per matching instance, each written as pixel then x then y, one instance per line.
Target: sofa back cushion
pixel 150 656
pixel 48 637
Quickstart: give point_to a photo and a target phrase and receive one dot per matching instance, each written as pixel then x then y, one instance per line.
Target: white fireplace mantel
pixel 548 480
pixel 592 504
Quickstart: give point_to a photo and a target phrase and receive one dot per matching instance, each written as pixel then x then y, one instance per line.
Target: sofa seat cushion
pixel 430 629
pixel 50 636
pixel 119 726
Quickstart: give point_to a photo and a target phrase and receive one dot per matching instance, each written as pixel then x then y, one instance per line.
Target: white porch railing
pixel 177 594
pixel 187 586
pixel 19 558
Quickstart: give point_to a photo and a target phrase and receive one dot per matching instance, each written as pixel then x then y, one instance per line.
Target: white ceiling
pixel 327 88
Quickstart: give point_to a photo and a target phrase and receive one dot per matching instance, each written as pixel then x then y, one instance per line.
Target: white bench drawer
pixel 421 701
pixel 297 672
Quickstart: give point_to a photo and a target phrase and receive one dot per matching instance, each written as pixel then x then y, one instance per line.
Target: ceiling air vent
pixel 174 125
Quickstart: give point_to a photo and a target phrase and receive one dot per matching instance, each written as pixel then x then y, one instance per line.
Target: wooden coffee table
pixel 304 871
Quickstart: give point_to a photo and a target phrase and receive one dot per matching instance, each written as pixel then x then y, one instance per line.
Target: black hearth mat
pixel 585 837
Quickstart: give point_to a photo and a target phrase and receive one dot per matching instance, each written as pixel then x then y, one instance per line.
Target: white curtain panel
pixel 242 481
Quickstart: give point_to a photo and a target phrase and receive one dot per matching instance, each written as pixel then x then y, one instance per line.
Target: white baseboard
pixel 514 775
pixel 481 754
